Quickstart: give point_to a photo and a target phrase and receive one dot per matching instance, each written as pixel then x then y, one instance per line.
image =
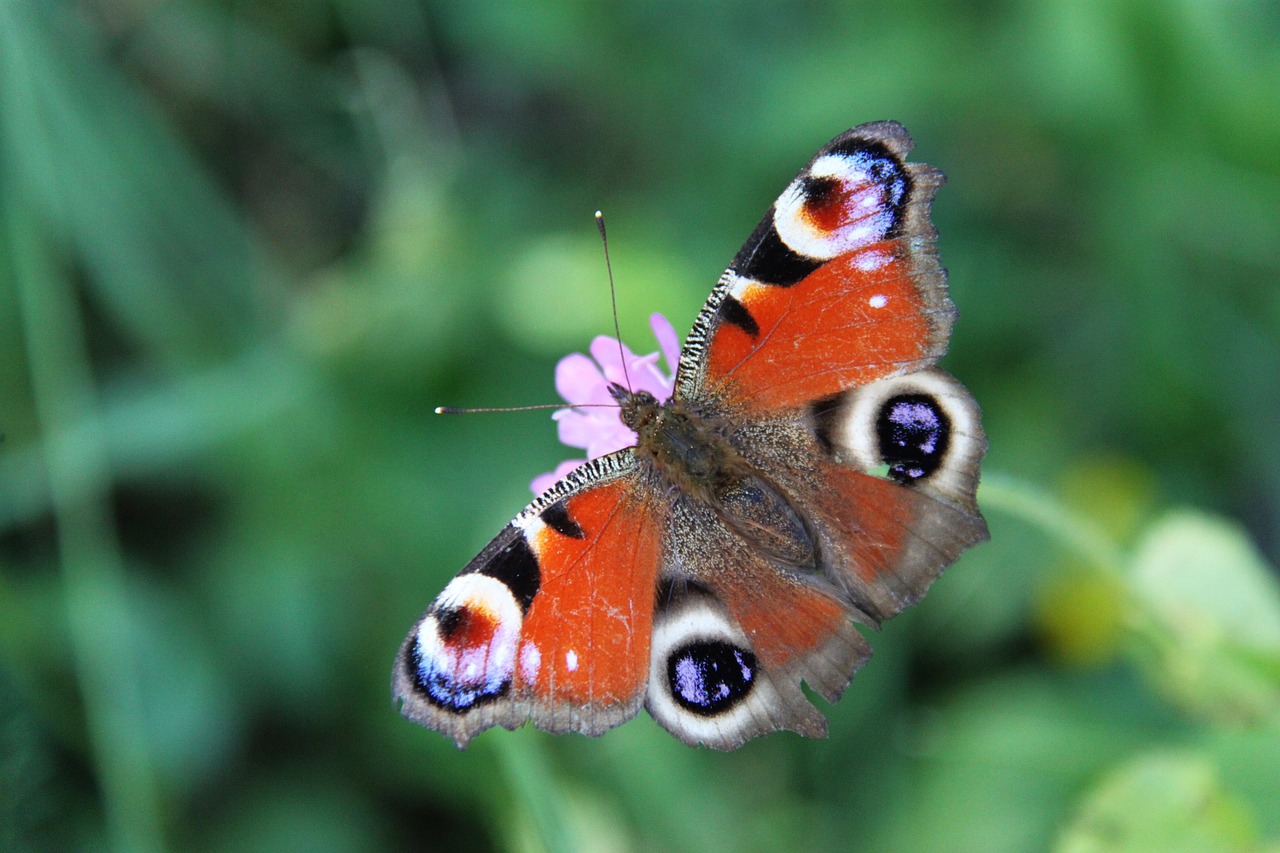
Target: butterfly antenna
pixel 459 410
pixel 622 355
pixel 613 297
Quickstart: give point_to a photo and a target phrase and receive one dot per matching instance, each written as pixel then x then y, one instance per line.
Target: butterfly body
pixel 812 470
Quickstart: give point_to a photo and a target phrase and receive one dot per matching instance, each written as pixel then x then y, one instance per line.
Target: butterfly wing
pixel 814 354
pixel 761 587
pixel 735 634
pixel 825 327
pixel 551 621
pixel 838 286
pixel 892 488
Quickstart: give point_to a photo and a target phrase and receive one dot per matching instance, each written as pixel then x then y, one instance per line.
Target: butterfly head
pixel 640 409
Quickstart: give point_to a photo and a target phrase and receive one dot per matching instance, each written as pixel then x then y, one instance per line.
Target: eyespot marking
pixel 464 651
pixel 708 677
pixel 913 433
pixel 850 197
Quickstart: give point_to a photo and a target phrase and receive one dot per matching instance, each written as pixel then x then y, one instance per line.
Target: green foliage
pixel 1209 608
pixel 245 249
pixel 1160 802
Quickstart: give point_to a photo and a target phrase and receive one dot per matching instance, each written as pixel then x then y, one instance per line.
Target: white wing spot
pixel 871 261
pixel 878 301
pixel 530 662
pixel 571 660
pixel 739 285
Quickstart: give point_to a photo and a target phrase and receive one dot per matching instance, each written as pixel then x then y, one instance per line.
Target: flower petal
pixel 668 341
pixel 610 357
pixel 576 429
pixel 647 376
pixel 579 380
pixel 606 440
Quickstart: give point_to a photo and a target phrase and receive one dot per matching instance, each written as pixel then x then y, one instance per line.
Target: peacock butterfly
pixel 812 470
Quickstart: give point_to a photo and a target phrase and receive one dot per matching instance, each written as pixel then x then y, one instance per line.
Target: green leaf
pixel 1160 801
pixel 1207 608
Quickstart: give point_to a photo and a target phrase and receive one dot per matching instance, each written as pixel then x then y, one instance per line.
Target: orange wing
pixel 551 622
pixel 838 286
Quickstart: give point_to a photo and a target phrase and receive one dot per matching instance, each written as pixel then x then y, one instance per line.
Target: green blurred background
pixel 245 249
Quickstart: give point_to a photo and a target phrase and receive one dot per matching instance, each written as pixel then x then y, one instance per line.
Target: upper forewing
pixel 838 286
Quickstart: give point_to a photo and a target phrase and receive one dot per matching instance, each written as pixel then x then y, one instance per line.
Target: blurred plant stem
pixel 92 566
pixel 531 779
pixel 1071 529
pixel 78 471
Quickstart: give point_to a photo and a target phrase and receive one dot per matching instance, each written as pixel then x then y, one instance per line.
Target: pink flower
pixel 579 379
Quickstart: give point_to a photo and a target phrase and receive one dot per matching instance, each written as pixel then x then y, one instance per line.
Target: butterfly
pixel 812 471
